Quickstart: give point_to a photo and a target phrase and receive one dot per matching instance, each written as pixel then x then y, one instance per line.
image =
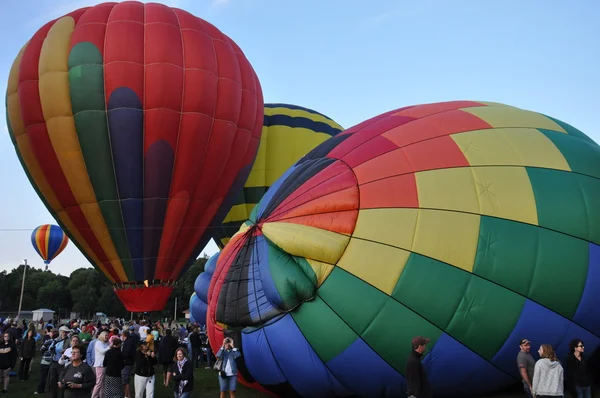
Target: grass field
pixel 205 385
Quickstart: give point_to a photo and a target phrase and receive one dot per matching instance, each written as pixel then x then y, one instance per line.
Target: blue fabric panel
pixel 290 348
pixel 261 288
pixel 54 241
pixel 211 263
pixel 373 378
pixel 198 309
pixel 452 365
pixel 592 342
pixel 264 202
pixel 259 359
pixel 201 286
pixel 539 325
pixel 271 292
pixel 588 313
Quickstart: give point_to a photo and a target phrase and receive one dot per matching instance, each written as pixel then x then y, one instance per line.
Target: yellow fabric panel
pixel 506 116
pixel 506 192
pixel 285 146
pixel 56 107
pixel 395 227
pixel 301 113
pixel 450 189
pixel 448 236
pixel 256 178
pixel 377 264
pixel 239 212
pixel 30 162
pixel 511 147
pixel 322 270
pixel 308 242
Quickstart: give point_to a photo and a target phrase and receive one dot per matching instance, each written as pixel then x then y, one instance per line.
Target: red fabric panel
pixel 144 299
pixel 435 126
pixel 424 110
pixel 399 191
pixel 369 150
pixel 438 153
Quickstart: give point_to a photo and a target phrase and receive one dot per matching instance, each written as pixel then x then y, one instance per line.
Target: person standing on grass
pixel 228 372
pixel 144 378
pixel 416 378
pixel 27 354
pixel 182 374
pixel 8 358
pixel 78 378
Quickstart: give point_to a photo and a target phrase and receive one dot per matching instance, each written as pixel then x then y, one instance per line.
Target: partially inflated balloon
pixel 137 124
pixel 472 224
pixel 288 133
pixel 49 241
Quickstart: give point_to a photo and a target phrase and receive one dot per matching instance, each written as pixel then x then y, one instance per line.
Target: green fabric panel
pixel 431 288
pixel 308 271
pixel 357 302
pixel 86 84
pixel 291 282
pixel 582 156
pixel 561 272
pixel 395 347
pixel 567 202
pixel 507 253
pixel 485 317
pixel 251 195
pixel 326 332
pixel 572 130
pixel 531 261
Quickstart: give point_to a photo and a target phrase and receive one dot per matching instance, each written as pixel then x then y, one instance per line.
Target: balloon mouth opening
pixel 144 296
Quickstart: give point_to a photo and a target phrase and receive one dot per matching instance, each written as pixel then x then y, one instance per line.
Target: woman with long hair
pixel 27 354
pixel 8 358
pixel 548 377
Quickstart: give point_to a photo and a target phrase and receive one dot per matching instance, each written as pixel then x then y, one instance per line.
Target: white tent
pixel 42 313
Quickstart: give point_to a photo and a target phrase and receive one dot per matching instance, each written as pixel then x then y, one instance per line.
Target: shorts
pixel 227 383
pixel 4 373
pixel 126 374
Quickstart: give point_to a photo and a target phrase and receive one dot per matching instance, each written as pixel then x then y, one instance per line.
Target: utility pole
pixel 175 314
pixel 22 287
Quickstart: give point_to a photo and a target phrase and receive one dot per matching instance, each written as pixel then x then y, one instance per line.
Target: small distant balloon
pixel 49 241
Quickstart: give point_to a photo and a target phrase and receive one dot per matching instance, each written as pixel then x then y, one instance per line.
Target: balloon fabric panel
pixel 152 105
pixel 459 234
pixel 289 132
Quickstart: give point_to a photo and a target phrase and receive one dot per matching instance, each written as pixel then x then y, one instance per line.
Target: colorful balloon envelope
pixel 137 124
pixel 49 241
pixel 473 224
pixel 288 133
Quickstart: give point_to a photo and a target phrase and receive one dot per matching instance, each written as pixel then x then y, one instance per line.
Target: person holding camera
pixel 144 378
pixel 228 370
pixel 77 379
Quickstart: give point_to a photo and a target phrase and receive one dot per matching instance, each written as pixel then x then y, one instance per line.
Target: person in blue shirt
pixel 228 370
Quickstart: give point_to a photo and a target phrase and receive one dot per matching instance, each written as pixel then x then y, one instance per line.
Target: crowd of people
pixel 547 377
pixel 100 360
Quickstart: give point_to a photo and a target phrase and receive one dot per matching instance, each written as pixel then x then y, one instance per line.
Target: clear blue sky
pixel 352 60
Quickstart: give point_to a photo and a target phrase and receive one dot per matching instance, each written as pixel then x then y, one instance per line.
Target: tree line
pixel 86 291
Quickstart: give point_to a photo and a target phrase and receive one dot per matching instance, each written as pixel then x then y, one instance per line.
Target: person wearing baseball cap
pixel 416 378
pixel 526 365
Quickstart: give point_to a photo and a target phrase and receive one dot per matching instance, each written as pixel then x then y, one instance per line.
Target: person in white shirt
pixel 143 331
pixel 100 348
pixel 65 359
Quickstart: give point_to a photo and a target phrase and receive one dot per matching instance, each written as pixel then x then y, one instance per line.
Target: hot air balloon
pixel 193 299
pixel 49 241
pixel 137 124
pixel 288 133
pixel 470 223
pixel 201 285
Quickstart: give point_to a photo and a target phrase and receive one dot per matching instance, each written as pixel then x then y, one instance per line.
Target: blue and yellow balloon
pixel 49 241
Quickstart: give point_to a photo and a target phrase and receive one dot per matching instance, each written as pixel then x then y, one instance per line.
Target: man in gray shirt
pixel 526 365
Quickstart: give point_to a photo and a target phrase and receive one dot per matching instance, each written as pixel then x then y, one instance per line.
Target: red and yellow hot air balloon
pixel 49 241
pixel 137 124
